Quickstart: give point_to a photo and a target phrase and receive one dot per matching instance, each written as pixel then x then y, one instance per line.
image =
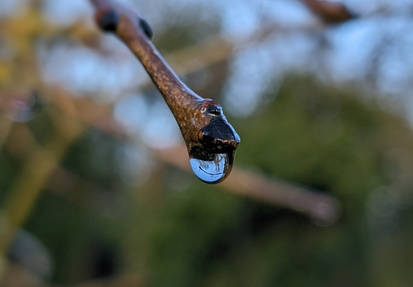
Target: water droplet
pixel 212 171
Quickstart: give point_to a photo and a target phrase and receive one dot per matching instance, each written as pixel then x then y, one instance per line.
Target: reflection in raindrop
pixel 212 171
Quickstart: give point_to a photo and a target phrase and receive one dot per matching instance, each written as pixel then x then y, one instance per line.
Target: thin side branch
pixel 329 12
pixel 321 207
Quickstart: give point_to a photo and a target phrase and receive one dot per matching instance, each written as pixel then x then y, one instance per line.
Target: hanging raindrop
pixel 213 143
pixel 212 171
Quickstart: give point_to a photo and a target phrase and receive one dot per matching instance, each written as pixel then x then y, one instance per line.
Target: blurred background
pixel 94 183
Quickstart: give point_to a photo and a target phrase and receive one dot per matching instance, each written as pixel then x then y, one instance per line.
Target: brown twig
pixel 329 12
pixel 206 131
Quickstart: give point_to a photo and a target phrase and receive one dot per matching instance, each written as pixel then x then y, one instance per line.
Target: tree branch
pixel 207 133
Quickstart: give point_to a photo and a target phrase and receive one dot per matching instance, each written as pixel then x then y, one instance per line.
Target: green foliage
pixel 93 157
pixel 9 170
pixel 73 230
pixel 318 136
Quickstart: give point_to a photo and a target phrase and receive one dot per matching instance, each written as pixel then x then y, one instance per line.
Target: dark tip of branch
pixel 146 28
pixel 108 21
